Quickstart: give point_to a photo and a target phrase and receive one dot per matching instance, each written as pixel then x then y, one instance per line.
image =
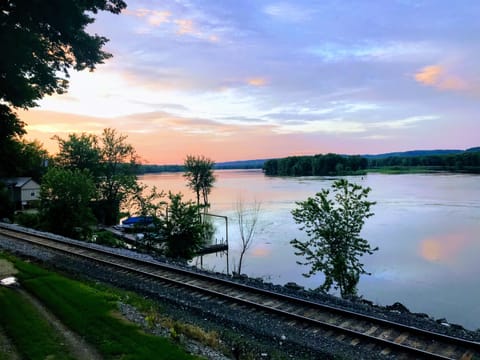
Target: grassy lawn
pixel 85 310
pixel 32 335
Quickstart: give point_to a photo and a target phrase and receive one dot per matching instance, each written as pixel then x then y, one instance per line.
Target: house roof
pixel 18 181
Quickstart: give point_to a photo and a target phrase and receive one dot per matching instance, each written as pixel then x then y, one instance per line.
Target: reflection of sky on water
pixel 426 226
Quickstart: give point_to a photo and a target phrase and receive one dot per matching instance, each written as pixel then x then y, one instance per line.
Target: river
pixel 427 228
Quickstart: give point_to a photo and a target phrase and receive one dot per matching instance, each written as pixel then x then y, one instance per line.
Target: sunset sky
pixel 252 79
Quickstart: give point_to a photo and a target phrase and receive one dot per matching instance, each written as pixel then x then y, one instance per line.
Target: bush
pixel 28 219
pixel 107 238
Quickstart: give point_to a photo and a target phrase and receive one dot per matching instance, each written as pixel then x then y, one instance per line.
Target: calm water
pixel 426 226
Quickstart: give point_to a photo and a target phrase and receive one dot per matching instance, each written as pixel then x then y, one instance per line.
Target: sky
pixel 255 79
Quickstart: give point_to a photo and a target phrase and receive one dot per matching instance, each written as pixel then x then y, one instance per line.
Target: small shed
pixel 23 190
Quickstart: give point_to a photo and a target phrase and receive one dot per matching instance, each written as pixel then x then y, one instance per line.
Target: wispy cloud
pixel 279 76
pixel 386 51
pixel 185 26
pixel 288 12
pixel 334 126
pixel 153 17
pixel 180 25
pixel 403 123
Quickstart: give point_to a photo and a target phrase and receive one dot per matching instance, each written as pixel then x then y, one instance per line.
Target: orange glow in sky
pixel 238 83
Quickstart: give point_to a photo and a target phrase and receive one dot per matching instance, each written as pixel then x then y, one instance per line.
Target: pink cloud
pixel 439 77
pixel 257 81
pixel 153 17
pixel 185 26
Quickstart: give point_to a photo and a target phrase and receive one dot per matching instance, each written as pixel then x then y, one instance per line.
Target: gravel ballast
pixel 243 331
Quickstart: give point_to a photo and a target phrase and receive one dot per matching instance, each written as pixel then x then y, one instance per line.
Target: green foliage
pixel 65 197
pixel 42 42
pixel 144 202
pixel 88 312
pixel 177 230
pixel 31 160
pixel 22 158
pixel 183 230
pixel 318 165
pixel 112 163
pixel 118 179
pixel 28 219
pixel 152 169
pixel 333 227
pixel 200 178
pixel 334 164
pixel 11 131
pixel 466 162
pixel 107 238
pixel 79 152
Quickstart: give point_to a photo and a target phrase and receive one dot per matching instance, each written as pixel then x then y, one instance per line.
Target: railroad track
pixel 377 335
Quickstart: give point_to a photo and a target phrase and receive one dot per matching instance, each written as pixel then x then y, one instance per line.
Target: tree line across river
pixel 335 164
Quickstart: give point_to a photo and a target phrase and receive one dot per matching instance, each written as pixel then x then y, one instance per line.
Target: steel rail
pixel 295 300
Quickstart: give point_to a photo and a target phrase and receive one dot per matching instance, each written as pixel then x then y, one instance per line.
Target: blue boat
pixel 135 221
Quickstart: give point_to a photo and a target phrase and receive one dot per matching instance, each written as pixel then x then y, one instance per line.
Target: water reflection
pixel 261 251
pixel 426 226
pixel 444 248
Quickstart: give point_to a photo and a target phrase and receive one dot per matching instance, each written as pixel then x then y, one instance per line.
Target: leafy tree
pixel 247 220
pixel 41 42
pixel 200 177
pixel 112 163
pixel 333 226
pixel 11 131
pixel 118 168
pixel 142 202
pixel 24 158
pixel 65 196
pixel 79 152
pixel 182 230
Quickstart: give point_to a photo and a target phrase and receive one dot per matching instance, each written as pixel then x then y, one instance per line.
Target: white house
pixel 23 190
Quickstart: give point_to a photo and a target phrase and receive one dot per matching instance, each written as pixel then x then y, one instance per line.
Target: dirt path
pixel 6 269
pixel 79 348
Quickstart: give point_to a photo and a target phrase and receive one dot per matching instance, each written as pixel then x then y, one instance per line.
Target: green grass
pixel 88 312
pixel 32 335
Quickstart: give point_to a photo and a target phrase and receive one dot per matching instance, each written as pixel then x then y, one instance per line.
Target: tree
pixel 118 176
pixel 11 131
pixel 149 205
pixel 112 163
pixel 79 152
pixel 33 159
pixel 142 202
pixel 41 42
pixel 333 227
pixel 247 220
pixel 200 178
pixel 182 230
pixel 65 197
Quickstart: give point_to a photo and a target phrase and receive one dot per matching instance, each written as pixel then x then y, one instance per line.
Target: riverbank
pixel 252 331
